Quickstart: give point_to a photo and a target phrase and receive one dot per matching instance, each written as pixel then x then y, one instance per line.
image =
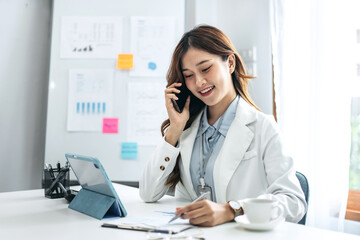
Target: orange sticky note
pixel 110 125
pixel 125 61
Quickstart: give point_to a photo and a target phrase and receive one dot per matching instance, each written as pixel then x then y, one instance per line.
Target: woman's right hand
pixel 177 120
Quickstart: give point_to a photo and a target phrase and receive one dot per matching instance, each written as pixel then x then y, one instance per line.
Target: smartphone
pixel 182 96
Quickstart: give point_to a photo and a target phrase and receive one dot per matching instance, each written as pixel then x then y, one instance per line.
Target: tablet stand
pixel 95 204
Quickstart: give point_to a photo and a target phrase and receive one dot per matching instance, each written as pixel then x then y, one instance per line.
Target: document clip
pixel 95 204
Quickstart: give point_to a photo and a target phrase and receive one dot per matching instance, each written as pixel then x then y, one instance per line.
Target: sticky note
pixel 125 61
pixel 110 125
pixel 152 66
pixel 129 150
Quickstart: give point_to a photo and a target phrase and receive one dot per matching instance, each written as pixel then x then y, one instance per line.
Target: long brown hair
pixel 214 41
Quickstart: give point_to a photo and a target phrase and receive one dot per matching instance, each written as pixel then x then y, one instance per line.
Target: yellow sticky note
pixel 125 61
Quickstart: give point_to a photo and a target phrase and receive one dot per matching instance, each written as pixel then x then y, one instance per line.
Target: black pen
pixel 63 188
pixel 51 171
pixel 52 175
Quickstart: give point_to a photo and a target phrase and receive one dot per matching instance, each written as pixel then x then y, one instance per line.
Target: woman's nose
pixel 200 81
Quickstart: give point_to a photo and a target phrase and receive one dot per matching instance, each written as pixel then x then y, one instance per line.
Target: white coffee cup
pixel 262 210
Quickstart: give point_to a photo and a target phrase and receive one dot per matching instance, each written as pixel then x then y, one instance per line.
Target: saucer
pixel 244 222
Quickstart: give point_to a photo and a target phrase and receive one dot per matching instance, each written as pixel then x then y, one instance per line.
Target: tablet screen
pixel 90 175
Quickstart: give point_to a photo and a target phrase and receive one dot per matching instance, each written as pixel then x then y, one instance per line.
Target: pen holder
pixel 56 182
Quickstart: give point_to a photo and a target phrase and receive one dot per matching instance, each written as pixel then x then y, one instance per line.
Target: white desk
pixel 29 215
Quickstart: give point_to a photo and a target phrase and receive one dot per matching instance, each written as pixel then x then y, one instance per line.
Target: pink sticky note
pixel 110 125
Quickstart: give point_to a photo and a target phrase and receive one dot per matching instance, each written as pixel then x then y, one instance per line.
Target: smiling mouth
pixel 206 91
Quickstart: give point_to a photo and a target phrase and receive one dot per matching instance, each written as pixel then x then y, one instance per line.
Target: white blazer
pixel 250 164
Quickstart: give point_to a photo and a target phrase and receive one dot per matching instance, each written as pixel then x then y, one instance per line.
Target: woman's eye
pixel 207 69
pixel 188 76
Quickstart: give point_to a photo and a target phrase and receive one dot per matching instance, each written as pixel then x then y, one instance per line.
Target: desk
pixel 29 215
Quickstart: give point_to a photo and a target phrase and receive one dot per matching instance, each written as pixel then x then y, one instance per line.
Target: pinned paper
pixel 129 150
pixel 90 99
pixel 91 37
pixel 125 61
pixel 110 125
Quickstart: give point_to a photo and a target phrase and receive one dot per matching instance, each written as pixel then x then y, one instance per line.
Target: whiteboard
pixel 106 147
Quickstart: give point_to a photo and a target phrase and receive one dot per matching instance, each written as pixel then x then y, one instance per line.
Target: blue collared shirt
pixel 209 133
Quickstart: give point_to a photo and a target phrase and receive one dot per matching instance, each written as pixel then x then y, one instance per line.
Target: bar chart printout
pixel 90 99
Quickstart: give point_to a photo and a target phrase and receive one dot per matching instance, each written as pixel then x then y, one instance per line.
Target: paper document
pixel 146 112
pixel 90 37
pixel 152 43
pixel 155 220
pixel 90 99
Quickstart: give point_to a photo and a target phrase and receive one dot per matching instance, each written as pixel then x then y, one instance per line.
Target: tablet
pixel 92 177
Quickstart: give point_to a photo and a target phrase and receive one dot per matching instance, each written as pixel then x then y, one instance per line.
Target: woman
pixel 220 143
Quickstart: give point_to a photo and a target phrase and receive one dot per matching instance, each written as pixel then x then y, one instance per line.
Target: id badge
pixel 205 189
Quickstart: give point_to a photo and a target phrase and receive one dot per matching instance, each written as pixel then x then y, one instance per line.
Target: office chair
pixel 305 188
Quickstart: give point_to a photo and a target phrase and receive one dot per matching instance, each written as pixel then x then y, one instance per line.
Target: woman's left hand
pixel 206 213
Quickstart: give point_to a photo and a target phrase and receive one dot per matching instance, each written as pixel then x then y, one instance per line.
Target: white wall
pixel 247 23
pixel 24 63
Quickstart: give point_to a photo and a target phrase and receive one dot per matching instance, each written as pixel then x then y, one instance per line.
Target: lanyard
pixel 204 161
